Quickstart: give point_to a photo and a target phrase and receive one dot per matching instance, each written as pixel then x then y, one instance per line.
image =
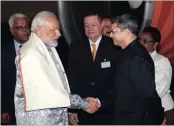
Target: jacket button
pixel 92 83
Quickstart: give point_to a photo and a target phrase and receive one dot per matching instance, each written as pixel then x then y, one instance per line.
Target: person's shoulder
pixel 107 39
pixel 28 50
pixel 79 44
pixel 162 60
pixel 160 57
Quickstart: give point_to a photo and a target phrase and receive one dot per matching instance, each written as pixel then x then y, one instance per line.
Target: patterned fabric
pixel 59 69
pixel 50 116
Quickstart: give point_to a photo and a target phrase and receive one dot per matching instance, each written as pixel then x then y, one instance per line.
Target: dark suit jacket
pixel 62 50
pixel 88 79
pixel 8 76
pixel 136 99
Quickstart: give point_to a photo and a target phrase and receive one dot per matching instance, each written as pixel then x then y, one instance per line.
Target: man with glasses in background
pixel 106 26
pixel 19 28
pixel 135 96
pixel 150 39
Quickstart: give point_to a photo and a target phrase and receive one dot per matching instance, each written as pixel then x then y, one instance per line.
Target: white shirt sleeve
pixel 163 76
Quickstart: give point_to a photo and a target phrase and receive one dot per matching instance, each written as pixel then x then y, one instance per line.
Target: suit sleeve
pixel 141 75
pixel 4 86
pixel 71 73
pixel 163 77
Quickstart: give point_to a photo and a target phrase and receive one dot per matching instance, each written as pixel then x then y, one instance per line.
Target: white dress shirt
pixel 163 76
pixel 97 43
pixel 17 46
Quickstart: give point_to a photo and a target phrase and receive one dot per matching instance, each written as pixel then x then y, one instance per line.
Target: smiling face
pixel 92 27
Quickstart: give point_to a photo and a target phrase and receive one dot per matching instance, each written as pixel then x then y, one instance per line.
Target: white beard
pixel 50 42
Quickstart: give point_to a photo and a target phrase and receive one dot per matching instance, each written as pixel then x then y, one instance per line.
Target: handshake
pixel 94 105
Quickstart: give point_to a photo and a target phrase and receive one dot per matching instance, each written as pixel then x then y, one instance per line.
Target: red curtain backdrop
pixel 163 19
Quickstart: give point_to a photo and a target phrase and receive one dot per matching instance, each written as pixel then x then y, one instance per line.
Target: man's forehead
pixel 20 21
pixel 91 18
pixel 114 25
pixel 106 20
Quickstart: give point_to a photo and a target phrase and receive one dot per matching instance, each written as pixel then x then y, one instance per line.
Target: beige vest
pixel 41 82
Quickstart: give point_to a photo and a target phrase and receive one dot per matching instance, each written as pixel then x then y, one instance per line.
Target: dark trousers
pixel 169 116
pixel 95 119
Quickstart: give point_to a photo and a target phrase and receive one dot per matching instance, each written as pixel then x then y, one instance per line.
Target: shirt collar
pixel 97 42
pixel 17 44
pixel 152 54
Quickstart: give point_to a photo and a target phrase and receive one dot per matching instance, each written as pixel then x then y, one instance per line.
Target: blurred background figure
pixel 19 29
pixel 106 26
pixel 150 39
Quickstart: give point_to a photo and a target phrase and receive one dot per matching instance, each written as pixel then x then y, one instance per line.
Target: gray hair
pixel 39 19
pixel 127 21
pixel 14 17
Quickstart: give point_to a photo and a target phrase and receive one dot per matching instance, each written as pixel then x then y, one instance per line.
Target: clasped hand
pixel 94 105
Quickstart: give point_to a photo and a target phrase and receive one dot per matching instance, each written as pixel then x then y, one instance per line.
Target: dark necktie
pixel 20 46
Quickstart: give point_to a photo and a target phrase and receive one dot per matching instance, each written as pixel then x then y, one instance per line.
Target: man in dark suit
pixel 91 72
pixel 19 29
pixel 136 99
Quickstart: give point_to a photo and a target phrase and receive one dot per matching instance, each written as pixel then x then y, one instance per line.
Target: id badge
pixel 105 64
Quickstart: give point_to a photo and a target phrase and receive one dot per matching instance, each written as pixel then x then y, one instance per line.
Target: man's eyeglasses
pixel 144 41
pixel 21 28
pixel 112 31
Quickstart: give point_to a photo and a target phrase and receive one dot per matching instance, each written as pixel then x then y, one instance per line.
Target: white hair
pixel 14 17
pixel 39 19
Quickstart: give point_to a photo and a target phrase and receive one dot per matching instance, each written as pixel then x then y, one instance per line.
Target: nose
pixel 58 34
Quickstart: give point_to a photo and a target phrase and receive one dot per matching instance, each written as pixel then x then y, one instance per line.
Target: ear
pixel 127 31
pixel 39 31
pixel 102 24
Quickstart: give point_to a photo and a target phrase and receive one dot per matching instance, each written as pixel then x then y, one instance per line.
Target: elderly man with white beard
pixel 42 93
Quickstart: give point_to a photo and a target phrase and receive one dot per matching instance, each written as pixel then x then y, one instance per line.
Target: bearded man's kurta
pixel 42 95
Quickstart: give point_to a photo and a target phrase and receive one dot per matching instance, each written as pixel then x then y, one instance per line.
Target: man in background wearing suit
pixel 91 72
pixel 136 99
pixel 19 28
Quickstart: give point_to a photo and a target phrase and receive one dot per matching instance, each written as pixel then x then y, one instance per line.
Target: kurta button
pixel 92 83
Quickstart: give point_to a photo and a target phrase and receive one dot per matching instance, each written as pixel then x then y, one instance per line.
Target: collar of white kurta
pixel 153 54
pixel 42 86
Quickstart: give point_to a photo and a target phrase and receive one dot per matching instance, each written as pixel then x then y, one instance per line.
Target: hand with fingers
pixel 73 119
pixel 5 118
pixel 94 105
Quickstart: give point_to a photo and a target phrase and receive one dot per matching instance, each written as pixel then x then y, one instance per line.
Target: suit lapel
pixel 87 49
pixel 101 50
pixel 11 56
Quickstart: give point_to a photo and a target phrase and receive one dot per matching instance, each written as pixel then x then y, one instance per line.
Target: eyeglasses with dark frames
pixel 144 41
pixel 21 28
